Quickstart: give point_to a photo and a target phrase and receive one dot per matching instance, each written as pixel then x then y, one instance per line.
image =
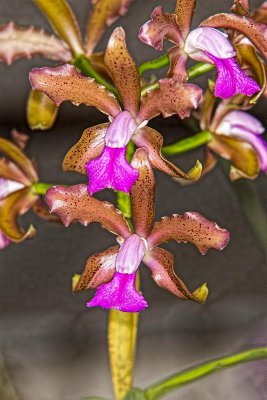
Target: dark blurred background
pixel 54 348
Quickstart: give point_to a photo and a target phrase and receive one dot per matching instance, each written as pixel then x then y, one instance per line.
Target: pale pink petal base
pixel 111 170
pixel 7 187
pixel 4 241
pixel 120 294
pixel 231 79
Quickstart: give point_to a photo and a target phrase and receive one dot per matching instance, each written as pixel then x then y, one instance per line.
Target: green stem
pixel 199 69
pixel 41 188
pixel 187 144
pixel 189 375
pixel 83 63
pixel 157 63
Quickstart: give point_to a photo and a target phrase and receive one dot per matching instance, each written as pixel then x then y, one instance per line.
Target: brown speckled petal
pixel 14 153
pixel 103 14
pixel 143 194
pixel 152 141
pixel 99 269
pixel 90 145
pixel 172 97
pixel 11 207
pixel 190 227
pixel 160 262
pixel 184 13
pixel 177 69
pixel 161 26
pixel 123 71
pixel 254 31
pixel 66 83
pixel 75 204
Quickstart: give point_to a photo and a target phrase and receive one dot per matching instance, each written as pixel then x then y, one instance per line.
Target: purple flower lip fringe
pixel 120 294
pixel 111 169
pixel 211 45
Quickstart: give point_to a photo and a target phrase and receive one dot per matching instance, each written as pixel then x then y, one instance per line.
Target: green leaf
pixel 135 394
pixel 187 144
pixel 157 63
pixel 189 375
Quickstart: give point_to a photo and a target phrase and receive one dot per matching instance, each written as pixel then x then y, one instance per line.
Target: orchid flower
pixel 240 131
pixel 252 27
pixel 17 174
pixel 17 42
pixel 235 136
pixel 201 44
pixel 246 52
pixel 113 271
pixel 101 150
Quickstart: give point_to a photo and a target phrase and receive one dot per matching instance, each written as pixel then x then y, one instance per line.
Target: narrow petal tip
pixel 75 280
pixel 201 293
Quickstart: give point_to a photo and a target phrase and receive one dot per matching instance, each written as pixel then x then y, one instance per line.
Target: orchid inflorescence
pixel 111 82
